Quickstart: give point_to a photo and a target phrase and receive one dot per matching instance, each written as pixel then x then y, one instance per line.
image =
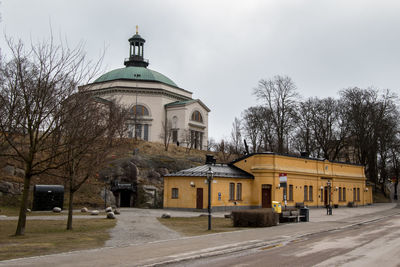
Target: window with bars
pixel 305 193
pixel 231 191
pixel 175 193
pixel 322 194
pixel 238 191
pixel 290 192
pixel 344 194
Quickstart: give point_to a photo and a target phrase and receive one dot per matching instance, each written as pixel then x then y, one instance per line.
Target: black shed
pixel 46 197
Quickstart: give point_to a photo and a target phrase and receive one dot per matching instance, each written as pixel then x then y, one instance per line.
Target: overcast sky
pixel 219 50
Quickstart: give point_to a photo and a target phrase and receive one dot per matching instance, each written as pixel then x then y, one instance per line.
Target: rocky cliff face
pixel 146 173
pixel 143 168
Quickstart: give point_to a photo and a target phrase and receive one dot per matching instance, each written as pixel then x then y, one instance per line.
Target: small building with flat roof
pixel 255 180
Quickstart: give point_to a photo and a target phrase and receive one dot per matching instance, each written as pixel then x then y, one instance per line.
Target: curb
pixel 275 242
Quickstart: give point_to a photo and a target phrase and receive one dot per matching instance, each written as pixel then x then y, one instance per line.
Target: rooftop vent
pixel 210 159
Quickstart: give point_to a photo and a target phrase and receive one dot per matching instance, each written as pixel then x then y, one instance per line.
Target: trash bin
pixel 328 210
pixel 276 205
pixel 305 215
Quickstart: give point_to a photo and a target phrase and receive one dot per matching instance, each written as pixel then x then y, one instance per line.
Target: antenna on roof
pixel 246 146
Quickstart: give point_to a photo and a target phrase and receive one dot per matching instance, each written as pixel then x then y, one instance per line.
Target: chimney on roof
pixel 304 154
pixel 210 159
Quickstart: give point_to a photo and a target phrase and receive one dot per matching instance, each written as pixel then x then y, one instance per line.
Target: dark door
pixel 199 198
pixel 266 196
pixel 125 198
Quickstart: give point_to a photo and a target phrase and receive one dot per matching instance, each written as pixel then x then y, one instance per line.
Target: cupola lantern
pixel 136 48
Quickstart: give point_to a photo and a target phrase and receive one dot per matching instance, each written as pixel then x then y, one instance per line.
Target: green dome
pixel 135 74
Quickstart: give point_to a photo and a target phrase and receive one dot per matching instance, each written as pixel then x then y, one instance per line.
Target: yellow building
pixel 253 181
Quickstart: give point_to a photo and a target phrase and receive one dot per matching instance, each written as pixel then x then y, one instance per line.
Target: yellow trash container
pixel 276 205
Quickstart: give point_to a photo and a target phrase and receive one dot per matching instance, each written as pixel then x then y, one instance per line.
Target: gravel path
pixel 135 226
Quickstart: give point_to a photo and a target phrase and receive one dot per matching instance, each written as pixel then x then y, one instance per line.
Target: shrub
pixel 254 218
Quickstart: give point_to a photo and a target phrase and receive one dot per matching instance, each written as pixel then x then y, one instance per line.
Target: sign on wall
pixel 283 179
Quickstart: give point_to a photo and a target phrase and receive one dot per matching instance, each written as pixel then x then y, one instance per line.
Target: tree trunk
pixel 70 209
pixel 24 205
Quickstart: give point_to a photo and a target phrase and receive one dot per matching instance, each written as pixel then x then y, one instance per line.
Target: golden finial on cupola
pixel 137 29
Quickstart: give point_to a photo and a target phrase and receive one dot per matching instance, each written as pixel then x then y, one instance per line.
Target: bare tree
pixel 269 141
pixel 36 81
pixel 187 139
pixel 236 136
pixel 85 148
pixel 365 111
pixel 252 126
pixel 119 117
pixel 304 137
pixel 329 126
pixel 224 150
pixel 280 97
pixel 166 133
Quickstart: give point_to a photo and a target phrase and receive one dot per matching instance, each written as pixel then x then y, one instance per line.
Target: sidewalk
pixel 175 250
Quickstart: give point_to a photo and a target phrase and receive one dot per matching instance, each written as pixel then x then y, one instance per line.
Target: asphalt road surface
pixel 373 244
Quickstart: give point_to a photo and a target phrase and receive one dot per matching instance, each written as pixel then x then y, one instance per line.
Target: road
pixel 350 232
pixel 372 244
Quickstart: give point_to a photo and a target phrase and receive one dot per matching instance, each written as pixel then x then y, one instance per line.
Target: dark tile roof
pixel 220 170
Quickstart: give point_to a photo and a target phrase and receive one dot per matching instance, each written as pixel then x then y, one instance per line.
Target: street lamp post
pixel 329 208
pixel 210 175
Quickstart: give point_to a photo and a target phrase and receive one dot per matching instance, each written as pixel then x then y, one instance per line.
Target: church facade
pixel 159 108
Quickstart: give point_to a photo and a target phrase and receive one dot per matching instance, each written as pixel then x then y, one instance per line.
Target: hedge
pixel 254 218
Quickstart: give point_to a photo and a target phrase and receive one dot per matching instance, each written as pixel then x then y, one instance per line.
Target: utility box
pixel 276 205
pixel 46 197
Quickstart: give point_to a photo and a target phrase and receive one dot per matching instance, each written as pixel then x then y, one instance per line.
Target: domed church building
pixel 159 107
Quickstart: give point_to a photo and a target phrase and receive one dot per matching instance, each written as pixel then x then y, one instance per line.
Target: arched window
pixel 196 116
pixel 140 110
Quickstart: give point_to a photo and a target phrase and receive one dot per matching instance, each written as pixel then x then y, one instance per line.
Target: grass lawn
pixel 198 225
pixel 47 237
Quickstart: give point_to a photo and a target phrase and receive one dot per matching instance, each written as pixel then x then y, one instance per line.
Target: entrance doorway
pixel 199 198
pixel 125 200
pixel 266 196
